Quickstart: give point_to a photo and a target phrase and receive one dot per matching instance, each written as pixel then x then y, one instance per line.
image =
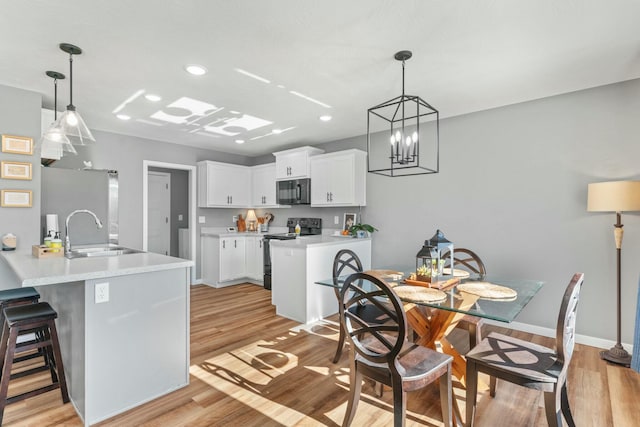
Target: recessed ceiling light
pixel 325 118
pixel 196 70
pixel 277 131
pixel 123 117
pixel 239 141
pixel 153 98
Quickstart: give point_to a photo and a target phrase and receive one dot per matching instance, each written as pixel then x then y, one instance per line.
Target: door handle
pixel 235 243
pixel 224 244
pixel 298 192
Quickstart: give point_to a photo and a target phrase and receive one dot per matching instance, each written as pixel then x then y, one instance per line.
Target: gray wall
pixel 179 204
pixel 20 115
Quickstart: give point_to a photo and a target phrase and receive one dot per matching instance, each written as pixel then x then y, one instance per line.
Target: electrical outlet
pixel 235 218
pixel 180 217
pixel 200 220
pixel 336 220
pixel 102 292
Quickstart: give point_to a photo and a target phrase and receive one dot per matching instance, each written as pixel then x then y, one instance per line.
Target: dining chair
pixel 347 262
pixel 382 352
pixel 469 261
pixel 528 364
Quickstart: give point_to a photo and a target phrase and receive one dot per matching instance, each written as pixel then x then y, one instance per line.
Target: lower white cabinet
pixel 254 257
pixel 231 259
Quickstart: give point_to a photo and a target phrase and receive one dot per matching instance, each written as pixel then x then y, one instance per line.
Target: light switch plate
pixel 200 220
pixel 336 220
pixel 180 217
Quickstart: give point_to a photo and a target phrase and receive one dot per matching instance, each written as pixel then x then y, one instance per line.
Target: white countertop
pixel 223 232
pixel 32 271
pixel 306 241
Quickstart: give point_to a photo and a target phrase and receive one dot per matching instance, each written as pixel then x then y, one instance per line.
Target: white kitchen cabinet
pixel 223 185
pixel 294 163
pixel 263 186
pixel 254 257
pixel 232 258
pixel 339 179
pixel 222 259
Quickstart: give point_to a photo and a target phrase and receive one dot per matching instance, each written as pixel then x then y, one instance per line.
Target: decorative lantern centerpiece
pixel 429 262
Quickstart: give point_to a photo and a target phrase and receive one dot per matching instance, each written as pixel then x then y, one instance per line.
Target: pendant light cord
pixel 71 82
pixel 55 99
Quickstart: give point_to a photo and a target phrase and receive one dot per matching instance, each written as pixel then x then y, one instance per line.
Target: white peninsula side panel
pixel 298 264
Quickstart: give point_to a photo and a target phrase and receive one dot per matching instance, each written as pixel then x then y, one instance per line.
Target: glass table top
pixel 462 302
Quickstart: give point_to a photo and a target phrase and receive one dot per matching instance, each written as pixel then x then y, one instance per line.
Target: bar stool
pixel 27 319
pixel 18 296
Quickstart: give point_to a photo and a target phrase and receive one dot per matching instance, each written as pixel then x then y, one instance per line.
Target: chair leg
pixel 355 386
pixel 552 408
pixel 57 357
pixel 564 403
pixel 6 369
pixel 446 398
pixel 3 344
pixel 399 404
pixel 341 339
pixel 472 390
pixel 492 386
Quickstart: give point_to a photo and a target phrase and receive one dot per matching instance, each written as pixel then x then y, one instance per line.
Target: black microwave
pixel 294 192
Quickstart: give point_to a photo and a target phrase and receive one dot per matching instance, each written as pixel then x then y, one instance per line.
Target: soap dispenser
pixel 297 228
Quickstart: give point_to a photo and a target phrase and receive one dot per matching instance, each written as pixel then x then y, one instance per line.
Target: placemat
pixel 461 274
pixel 488 290
pixel 419 294
pixel 392 275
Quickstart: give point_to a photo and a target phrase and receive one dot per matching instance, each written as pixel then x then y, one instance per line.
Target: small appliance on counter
pixel 307 226
pixel 9 242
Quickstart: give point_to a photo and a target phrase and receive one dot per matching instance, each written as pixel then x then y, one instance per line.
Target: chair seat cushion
pixel 514 356
pixel 18 293
pixel 41 310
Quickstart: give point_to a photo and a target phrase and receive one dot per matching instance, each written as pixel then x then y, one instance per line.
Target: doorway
pixel 159 218
pixel 188 233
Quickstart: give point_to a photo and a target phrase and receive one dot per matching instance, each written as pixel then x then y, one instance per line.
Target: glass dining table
pixel 432 321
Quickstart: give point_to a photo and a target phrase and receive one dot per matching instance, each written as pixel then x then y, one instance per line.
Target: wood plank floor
pixel 250 367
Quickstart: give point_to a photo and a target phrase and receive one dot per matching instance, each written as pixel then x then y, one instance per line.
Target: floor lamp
pixel 618 197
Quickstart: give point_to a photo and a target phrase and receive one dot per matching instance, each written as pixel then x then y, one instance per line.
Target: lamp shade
pixel 251 215
pixel 614 196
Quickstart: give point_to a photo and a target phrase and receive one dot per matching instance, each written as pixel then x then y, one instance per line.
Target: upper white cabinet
pixel 223 185
pixel 339 179
pixel 294 163
pixel 263 184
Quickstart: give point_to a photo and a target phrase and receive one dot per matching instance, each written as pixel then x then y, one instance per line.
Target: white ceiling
pixel 468 55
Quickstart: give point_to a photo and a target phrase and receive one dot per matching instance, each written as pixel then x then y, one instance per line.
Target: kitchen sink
pixel 99 251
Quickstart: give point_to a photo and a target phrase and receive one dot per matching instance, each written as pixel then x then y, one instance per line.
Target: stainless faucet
pixel 67 242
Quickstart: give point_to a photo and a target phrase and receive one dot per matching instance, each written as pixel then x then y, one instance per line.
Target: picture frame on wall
pixel 17 144
pixel 16 198
pixel 349 220
pixel 16 170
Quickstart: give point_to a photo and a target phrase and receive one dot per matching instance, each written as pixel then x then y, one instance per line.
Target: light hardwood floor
pixel 250 367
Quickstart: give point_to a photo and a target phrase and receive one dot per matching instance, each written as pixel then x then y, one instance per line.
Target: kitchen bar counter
pixel 32 271
pixel 223 232
pixel 305 242
pixel 126 345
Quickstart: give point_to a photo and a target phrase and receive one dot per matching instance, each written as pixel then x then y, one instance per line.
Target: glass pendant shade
pixel 55 144
pixel 71 124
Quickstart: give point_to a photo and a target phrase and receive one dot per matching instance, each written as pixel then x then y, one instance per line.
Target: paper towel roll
pixel 52 223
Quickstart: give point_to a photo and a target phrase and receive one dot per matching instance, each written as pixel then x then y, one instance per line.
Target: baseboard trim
pixel 548 332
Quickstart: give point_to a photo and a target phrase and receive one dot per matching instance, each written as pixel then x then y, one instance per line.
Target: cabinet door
pixel 224 185
pixel 232 258
pixel 217 194
pixel 320 182
pixel 238 181
pixel 341 181
pixel 263 183
pixel 209 259
pixel 290 166
pixel 255 257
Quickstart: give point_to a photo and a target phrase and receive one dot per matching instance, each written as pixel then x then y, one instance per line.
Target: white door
pixel 159 211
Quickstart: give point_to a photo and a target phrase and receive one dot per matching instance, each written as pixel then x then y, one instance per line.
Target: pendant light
pixel 54 143
pixel 70 121
pixel 403 134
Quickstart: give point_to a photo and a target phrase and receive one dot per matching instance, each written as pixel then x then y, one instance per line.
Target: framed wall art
pixel 16 198
pixel 16 170
pixel 17 144
pixel 349 220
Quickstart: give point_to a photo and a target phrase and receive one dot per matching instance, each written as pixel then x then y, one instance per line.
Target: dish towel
pixel 635 357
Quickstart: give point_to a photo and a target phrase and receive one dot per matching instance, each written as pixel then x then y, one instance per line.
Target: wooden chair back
pixel 467 260
pixel 379 343
pixel 565 330
pixel 345 262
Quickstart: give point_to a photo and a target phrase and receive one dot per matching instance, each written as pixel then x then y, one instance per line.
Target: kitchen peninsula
pixel 127 349
pixel 298 264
